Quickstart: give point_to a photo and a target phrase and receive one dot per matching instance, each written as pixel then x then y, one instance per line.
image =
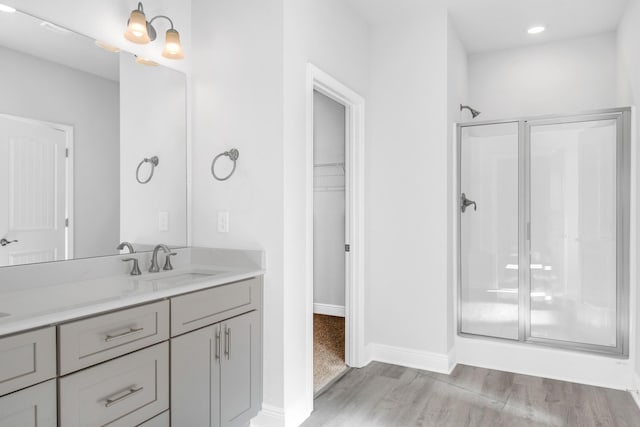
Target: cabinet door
pixel 241 374
pixel 195 378
pixel 34 406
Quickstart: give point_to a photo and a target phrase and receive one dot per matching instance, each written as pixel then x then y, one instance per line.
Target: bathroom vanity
pixel 180 347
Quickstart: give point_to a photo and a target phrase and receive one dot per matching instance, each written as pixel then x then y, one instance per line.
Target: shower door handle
pixel 465 203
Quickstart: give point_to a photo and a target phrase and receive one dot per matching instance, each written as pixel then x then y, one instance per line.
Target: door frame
pixel 69 171
pixel 318 80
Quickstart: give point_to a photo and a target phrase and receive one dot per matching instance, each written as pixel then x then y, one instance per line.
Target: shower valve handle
pixel 465 203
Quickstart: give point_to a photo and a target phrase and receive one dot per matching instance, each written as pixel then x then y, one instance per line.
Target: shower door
pixel 544 230
pixel 489 296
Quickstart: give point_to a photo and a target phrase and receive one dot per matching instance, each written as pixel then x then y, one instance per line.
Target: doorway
pixel 350 249
pixel 38 192
pixel 330 195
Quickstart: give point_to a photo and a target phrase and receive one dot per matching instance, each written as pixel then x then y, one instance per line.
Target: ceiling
pixel 499 24
pixel 25 33
pixel 486 25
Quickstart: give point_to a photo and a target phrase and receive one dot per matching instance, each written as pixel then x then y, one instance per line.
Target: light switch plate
pixel 223 222
pixel 163 221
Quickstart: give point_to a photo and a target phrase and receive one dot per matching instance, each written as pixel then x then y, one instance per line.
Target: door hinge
pixel 66 222
pixel 66 152
pixel 347 248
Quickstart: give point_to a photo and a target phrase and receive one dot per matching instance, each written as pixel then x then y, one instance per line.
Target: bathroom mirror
pixel 76 121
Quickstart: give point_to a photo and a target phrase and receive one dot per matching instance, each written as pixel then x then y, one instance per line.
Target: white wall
pixel 152 123
pixel 237 102
pixel 42 90
pixel 629 94
pixel 328 202
pixel 457 93
pixel 331 36
pixel 559 77
pixel 249 82
pixel 407 197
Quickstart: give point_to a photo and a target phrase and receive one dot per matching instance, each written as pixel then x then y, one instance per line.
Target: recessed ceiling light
pixel 536 30
pixel 54 28
pixel 5 8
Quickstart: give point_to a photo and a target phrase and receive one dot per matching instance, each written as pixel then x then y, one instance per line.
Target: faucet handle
pixel 167 261
pixel 135 270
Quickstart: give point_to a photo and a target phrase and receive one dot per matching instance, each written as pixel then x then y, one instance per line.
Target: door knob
pixel 5 242
pixel 464 203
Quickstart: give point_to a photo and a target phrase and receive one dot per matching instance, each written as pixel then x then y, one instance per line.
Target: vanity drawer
pixel 123 392
pixel 161 420
pixel 90 341
pixel 34 406
pixel 27 359
pixel 198 309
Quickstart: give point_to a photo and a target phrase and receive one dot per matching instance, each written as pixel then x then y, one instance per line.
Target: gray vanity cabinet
pixel 32 407
pixel 216 374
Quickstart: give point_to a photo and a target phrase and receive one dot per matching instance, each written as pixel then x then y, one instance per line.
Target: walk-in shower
pixel 543 223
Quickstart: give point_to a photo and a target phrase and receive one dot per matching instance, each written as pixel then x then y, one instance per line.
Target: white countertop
pixel 34 307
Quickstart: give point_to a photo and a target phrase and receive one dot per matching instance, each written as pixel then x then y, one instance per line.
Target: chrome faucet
pixel 154 258
pixel 135 269
pixel 127 245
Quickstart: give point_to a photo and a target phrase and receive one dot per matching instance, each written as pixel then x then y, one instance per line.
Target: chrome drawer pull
pixel 112 401
pixel 123 334
pixel 218 344
pixel 227 343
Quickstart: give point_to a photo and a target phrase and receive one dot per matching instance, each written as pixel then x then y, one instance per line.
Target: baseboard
pixel 556 364
pixel 329 309
pixel 410 358
pixel 269 416
pixel 635 393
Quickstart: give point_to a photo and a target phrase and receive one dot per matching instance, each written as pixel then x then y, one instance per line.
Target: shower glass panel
pixel 573 231
pixel 489 230
pixel 544 230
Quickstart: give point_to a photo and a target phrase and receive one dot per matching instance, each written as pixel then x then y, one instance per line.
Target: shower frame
pixel 623 117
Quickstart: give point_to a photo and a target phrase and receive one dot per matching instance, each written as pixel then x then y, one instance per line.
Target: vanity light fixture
pixel 8 9
pixel 141 31
pixel 536 30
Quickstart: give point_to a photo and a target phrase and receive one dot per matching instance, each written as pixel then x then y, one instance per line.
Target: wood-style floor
pixel 387 395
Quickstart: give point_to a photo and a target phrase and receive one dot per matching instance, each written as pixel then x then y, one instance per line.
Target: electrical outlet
pixel 223 222
pixel 163 221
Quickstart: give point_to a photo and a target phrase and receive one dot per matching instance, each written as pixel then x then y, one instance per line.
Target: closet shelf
pixel 328 165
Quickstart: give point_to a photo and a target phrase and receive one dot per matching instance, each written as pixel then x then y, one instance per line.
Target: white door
pixel 32 191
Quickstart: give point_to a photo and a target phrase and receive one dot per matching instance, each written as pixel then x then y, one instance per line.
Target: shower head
pixel 474 113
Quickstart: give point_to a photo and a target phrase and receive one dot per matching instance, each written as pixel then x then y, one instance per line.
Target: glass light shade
pixel 106 46
pixel 144 61
pixel 137 28
pixel 172 46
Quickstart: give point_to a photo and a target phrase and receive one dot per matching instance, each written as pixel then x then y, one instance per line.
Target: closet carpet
pixel 328 349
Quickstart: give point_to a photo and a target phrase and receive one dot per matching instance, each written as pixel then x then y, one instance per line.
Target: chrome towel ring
pixel 233 155
pixel 154 162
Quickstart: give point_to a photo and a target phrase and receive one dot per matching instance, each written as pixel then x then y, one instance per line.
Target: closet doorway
pixel 330 247
pixel 351 109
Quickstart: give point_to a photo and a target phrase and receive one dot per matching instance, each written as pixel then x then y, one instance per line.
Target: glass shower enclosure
pixel 543 227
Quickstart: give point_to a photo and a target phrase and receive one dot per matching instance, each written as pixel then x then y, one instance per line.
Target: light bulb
pixel 172 46
pixel 137 28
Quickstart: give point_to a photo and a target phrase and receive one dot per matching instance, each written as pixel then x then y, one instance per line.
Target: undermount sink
pixel 183 278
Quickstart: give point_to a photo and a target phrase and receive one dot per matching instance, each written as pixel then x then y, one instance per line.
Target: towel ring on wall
pixel 154 162
pixel 233 155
